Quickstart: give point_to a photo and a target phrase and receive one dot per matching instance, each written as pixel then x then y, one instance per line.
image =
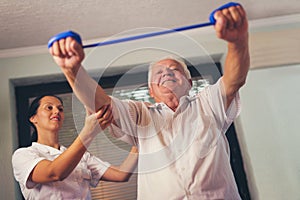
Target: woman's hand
pixel 96 122
pixel 105 116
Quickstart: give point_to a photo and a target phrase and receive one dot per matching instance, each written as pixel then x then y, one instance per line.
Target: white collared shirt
pixel 182 154
pixel 87 173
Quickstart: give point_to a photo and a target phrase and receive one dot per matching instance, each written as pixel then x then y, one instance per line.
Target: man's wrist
pixel 71 70
pixel 239 44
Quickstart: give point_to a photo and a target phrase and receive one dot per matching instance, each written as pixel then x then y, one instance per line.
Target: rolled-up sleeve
pixel 24 161
pixel 126 116
pixel 216 98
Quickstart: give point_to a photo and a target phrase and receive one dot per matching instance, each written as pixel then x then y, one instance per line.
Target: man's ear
pixel 150 92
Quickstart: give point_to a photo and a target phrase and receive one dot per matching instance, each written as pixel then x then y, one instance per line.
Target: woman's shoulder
pixel 23 151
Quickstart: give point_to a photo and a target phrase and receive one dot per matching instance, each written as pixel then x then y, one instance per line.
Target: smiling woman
pixel 45 105
pixel 47 169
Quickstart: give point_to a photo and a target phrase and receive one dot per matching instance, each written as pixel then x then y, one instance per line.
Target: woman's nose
pixel 56 110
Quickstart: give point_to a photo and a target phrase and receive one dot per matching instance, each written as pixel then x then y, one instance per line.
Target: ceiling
pixel 31 23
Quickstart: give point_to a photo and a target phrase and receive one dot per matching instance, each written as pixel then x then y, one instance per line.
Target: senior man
pixel 183 150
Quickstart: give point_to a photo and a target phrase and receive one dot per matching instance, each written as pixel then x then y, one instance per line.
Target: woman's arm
pixel 64 164
pixel 123 172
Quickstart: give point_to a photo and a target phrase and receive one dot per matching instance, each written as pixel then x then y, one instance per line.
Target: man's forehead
pixel 167 62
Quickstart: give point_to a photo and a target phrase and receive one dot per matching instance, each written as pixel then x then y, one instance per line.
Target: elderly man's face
pixel 168 77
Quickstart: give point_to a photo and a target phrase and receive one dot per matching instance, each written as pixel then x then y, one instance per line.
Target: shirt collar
pixel 182 100
pixel 48 149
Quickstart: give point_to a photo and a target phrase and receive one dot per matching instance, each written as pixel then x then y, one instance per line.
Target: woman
pixel 49 170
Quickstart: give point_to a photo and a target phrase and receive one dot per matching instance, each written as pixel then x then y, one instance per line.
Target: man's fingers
pixel 236 16
pixel 231 23
pixel 56 49
pixel 221 23
pixel 62 47
pixel 70 46
pixel 242 11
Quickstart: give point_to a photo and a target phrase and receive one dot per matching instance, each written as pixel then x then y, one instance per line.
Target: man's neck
pixel 170 100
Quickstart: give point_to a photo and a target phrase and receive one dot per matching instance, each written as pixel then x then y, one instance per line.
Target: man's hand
pixel 67 53
pixel 232 24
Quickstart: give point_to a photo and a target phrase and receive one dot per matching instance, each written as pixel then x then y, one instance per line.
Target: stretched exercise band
pixel 136 37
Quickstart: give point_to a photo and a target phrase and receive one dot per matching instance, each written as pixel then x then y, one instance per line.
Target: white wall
pixel 36 64
pixel 270 121
pixel 14 68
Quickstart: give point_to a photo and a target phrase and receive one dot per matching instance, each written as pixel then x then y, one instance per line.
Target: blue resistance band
pixel 136 37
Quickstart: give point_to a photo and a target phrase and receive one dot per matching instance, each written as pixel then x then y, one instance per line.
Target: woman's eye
pixel 49 107
pixel 61 109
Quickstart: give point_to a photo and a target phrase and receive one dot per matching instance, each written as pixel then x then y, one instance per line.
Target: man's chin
pixel 168 87
pixel 169 84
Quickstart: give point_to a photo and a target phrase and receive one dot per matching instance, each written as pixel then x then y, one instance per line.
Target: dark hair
pixel 35 104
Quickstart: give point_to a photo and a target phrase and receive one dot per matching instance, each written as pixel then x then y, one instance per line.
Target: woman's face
pixel 49 115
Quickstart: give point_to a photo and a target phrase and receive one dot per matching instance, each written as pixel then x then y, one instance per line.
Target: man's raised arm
pixel 69 54
pixel 232 26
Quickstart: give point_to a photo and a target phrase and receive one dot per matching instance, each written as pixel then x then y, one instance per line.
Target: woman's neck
pixel 49 138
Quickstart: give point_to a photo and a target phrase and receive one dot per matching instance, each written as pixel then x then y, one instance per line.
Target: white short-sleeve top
pixel 87 173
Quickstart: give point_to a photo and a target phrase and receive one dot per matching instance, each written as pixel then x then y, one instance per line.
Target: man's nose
pixel 168 72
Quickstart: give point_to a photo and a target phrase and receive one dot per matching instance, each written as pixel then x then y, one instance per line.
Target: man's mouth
pixel 168 80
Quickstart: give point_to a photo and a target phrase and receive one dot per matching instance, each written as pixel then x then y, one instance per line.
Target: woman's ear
pixel 33 119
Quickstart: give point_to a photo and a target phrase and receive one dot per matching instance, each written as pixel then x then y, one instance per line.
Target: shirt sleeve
pixel 126 120
pixel 216 99
pixel 23 161
pixel 97 168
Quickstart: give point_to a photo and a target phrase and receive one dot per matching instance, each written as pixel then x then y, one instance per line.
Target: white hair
pixel 170 57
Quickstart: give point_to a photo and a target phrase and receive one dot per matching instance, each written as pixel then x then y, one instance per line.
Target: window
pixel 102 146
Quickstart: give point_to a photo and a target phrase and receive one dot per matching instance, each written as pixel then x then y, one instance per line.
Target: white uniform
pixel 76 186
